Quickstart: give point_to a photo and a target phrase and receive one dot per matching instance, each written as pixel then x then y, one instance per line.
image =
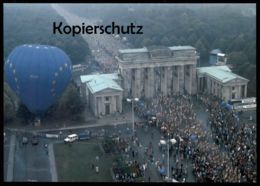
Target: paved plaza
pixel 37 163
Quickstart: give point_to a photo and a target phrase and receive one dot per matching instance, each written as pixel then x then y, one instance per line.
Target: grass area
pixel 74 162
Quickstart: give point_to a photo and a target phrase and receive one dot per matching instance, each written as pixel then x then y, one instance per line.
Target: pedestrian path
pixel 53 170
pixel 10 168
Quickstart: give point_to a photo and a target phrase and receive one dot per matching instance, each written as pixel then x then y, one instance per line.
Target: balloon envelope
pixel 38 74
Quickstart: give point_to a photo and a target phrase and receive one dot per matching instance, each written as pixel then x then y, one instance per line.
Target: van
pixel 70 138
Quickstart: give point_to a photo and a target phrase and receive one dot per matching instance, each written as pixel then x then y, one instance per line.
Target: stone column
pixel 151 83
pixel 169 80
pixel 97 108
pixel 230 93
pixel 208 85
pixel 190 80
pixel 239 91
pixel 133 79
pixel 120 103
pixel 103 105
pixel 137 84
pixel 164 80
pixel 181 78
pixel 194 80
pixel 145 82
pixel 94 105
pixel 175 80
pixel 127 80
pixel 245 90
pixel 142 82
pixel 156 80
pixel 113 104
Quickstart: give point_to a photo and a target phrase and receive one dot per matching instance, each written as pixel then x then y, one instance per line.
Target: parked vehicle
pixel 35 141
pixel 71 138
pixel 24 140
pixel 56 136
pixel 85 135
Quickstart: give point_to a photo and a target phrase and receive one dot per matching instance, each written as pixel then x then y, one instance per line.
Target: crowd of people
pixel 104 48
pixel 238 138
pixel 127 171
pixel 235 162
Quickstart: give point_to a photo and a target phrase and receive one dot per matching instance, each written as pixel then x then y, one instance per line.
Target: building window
pixel 107 98
pixel 233 88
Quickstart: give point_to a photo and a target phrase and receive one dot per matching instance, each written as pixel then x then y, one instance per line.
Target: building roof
pixel 135 50
pixel 144 49
pixel 181 48
pixel 221 73
pixel 215 51
pixel 99 82
pixel 85 78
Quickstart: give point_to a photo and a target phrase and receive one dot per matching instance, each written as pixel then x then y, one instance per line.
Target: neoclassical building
pixel 221 82
pixel 102 92
pixel 151 71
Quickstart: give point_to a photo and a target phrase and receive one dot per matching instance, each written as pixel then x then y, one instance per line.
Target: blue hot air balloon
pixel 38 74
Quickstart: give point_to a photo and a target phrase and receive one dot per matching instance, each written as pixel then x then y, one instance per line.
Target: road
pixel 103 46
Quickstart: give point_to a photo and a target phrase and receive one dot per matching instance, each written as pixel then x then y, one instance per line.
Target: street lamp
pixel 132 100
pixel 168 171
pixel 172 142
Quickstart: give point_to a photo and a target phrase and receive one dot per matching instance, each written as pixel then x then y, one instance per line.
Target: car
pixel 35 141
pixel 24 140
pixel 71 138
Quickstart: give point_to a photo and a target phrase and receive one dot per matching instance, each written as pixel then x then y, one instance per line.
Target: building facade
pixel 217 57
pixel 221 82
pixel 147 72
pixel 102 93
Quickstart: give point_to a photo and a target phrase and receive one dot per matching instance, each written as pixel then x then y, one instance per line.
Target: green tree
pixel 70 102
pixel 25 114
pixel 9 104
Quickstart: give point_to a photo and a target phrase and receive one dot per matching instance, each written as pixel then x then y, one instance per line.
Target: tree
pixel 70 102
pixel 25 114
pixel 9 103
pixel 9 108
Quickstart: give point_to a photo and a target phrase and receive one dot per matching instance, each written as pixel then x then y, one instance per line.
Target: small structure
pixel 102 93
pixel 221 82
pixel 79 67
pixel 217 57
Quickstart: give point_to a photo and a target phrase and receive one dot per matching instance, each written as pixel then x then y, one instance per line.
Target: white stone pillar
pixel 164 80
pixel 94 105
pixel 181 78
pixel 127 81
pixel 146 82
pixel 245 90
pixel 113 104
pixel 190 79
pixel 120 103
pixel 103 105
pixel 151 82
pixel 137 83
pixel 169 80
pixel 239 91
pixel 133 79
pixel 98 104
pixel 194 82
pixel 175 80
